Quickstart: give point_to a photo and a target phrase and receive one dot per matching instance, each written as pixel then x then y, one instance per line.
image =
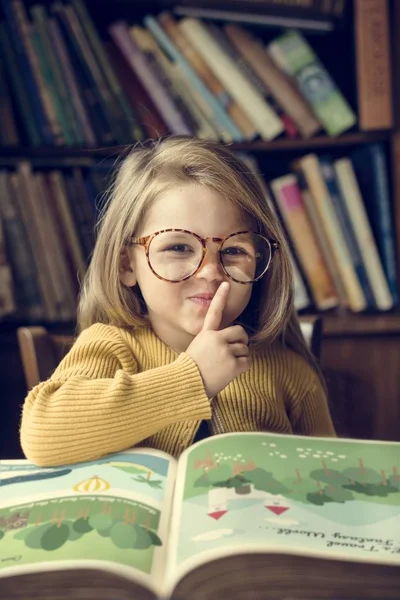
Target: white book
pixel 246 95
pixel 351 193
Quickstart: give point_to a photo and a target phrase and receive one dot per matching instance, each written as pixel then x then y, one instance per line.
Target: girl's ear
pixel 126 272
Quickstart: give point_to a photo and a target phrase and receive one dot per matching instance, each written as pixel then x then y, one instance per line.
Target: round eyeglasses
pixel 177 254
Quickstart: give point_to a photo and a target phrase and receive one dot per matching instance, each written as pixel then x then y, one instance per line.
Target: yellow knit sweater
pixel 116 389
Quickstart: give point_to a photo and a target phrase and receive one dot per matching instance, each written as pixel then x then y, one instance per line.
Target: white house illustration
pixel 221 499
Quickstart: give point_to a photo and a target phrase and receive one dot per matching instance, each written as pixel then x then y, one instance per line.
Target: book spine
pixel 385 221
pixel 48 77
pixel 294 214
pixel 203 71
pixel 66 221
pixel 221 118
pixel 374 85
pixel 65 181
pixel 352 196
pixel 264 118
pixel 198 107
pixel 323 204
pixel 48 105
pixel 21 195
pixel 72 129
pixel 234 54
pixel 166 72
pixel 57 263
pixel 140 65
pixel 127 114
pixel 8 132
pixel 99 85
pixel 21 257
pixel 343 217
pixel 278 82
pixel 301 298
pixel 84 210
pixel 84 77
pixel 319 232
pixel 7 300
pixel 149 116
pixel 40 221
pixel 12 41
pixel 80 115
pixel 26 108
pixel 294 55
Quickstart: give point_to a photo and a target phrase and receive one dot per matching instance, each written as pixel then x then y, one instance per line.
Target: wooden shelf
pixel 334 325
pixel 361 325
pixel 88 156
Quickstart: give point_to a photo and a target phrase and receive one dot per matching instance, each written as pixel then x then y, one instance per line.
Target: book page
pixel 112 513
pixel 260 492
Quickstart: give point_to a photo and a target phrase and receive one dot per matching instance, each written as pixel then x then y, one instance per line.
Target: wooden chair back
pixel 41 351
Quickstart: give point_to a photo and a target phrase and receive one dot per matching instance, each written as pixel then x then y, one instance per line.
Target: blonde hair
pixel 145 173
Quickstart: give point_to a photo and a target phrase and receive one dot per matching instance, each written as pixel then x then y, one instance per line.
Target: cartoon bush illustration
pixel 2 534
pixel 82 525
pixel 55 537
pixel 102 523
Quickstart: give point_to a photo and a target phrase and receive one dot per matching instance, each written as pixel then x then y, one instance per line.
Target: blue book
pixel 16 38
pixel 370 168
pixel 222 119
pixel 342 213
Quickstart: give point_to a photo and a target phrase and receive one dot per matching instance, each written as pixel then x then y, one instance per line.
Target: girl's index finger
pixel 213 317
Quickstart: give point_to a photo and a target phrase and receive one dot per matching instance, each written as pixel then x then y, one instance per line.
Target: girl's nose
pixel 211 268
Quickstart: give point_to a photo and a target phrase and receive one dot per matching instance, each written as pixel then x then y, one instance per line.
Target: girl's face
pixel 177 310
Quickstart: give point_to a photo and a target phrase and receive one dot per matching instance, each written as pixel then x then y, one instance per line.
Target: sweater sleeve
pixel 97 403
pixel 310 414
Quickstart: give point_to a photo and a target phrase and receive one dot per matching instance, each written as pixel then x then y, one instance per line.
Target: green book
pixel 19 89
pixel 236 515
pixel 294 55
pixel 55 77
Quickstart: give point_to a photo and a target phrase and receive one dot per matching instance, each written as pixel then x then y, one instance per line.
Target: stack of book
pixel 46 237
pixel 62 85
pixel 337 216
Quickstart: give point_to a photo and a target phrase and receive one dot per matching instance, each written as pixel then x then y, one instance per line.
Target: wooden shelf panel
pixel 88 156
pixel 334 325
pixel 350 325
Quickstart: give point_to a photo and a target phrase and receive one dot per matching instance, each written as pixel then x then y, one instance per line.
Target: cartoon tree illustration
pixel 394 480
pixel 332 477
pixel 368 481
pixel 265 481
pixel 153 483
pixel 329 494
pixel 239 482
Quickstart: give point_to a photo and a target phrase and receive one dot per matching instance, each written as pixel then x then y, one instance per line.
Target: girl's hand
pixel 221 355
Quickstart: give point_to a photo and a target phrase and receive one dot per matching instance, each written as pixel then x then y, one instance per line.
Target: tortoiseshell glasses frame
pixel 146 241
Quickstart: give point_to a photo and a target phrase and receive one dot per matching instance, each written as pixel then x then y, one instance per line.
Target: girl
pixel 186 316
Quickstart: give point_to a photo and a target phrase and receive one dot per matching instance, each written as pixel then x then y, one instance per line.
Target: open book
pixel 238 515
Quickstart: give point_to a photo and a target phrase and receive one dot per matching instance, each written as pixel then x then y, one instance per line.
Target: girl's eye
pixel 234 251
pixel 179 248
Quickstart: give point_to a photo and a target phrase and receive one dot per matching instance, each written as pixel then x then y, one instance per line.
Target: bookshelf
pixel 7 155
pixel 361 352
